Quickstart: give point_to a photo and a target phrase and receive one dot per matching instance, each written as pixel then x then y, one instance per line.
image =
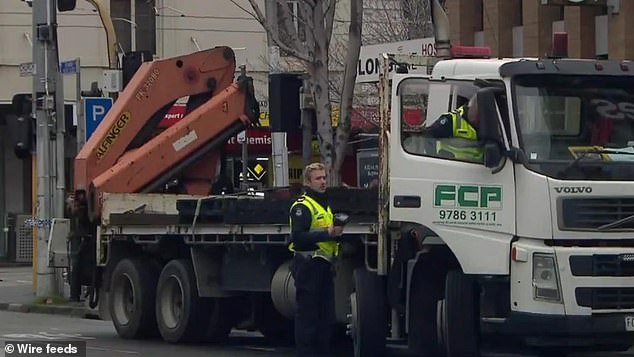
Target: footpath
pixel 17 294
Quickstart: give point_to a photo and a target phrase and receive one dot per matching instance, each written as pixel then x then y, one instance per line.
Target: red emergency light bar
pixel 560 44
pixel 470 52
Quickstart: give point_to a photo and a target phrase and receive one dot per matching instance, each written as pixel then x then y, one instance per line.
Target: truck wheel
pixel 423 326
pixel 459 316
pixel 220 314
pixel 368 323
pixel 131 298
pixel 178 307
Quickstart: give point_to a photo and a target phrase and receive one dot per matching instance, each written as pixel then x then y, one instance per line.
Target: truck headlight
pixel 545 278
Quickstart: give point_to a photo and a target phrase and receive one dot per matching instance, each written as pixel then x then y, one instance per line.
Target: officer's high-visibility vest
pixel 467 149
pixel 321 219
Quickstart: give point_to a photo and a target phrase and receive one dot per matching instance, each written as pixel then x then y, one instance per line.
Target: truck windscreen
pixel 576 126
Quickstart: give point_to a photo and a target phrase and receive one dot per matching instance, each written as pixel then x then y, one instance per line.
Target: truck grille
pixel 602 265
pixel 605 298
pixel 591 213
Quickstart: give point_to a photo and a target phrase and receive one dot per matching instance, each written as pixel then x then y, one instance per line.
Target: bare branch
pixel 256 8
pixel 304 11
pixel 268 27
pixel 330 19
pixel 289 26
pixel 307 9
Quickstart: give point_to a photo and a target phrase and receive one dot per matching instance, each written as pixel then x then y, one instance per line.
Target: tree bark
pixel 349 79
pixel 318 17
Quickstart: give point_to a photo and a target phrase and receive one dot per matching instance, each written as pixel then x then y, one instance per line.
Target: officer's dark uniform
pixel 455 124
pixel 314 251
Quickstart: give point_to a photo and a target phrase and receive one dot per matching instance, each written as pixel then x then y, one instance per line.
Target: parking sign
pixel 95 110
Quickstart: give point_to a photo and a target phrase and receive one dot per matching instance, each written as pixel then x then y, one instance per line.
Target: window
pixel 421 104
pixel 135 26
pixel 559 116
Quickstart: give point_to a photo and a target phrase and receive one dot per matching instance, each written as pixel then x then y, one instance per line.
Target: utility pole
pixel 245 153
pixel 278 138
pixel 47 96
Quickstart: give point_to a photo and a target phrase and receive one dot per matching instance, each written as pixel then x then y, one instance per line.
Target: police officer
pixel 460 127
pixel 315 243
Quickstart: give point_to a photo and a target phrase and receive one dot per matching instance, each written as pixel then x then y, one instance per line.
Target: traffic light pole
pixel 46 94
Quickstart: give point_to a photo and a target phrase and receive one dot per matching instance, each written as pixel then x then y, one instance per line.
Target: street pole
pixel 45 84
pixel 245 153
pixel 278 138
pixel 59 194
pixel 81 125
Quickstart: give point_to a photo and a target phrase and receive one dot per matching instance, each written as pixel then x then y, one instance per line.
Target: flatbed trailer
pixel 232 255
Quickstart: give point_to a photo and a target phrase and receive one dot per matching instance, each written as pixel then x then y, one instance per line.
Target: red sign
pixel 259 141
pixel 365 118
pixel 176 113
pixel 413 117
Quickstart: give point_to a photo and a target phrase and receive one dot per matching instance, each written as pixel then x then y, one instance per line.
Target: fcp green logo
pixel 467 196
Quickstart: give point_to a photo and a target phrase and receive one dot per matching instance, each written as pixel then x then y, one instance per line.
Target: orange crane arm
pixel 150 93
pixel 182 144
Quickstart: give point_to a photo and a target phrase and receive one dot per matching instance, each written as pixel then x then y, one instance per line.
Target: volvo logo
pixel 574 189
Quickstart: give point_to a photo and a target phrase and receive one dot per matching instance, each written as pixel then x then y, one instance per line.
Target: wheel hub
pixel 124 296
pixel 353 326
pixel 172 302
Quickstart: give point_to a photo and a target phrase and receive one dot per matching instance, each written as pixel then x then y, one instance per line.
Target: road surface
pixel 102 340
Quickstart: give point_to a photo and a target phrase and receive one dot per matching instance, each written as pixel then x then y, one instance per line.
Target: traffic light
pixel 131 63
pixel 22 123
pixel 66 5
pixel 284 110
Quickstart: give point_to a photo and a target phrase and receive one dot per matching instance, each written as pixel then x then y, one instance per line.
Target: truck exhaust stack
pixel 441 30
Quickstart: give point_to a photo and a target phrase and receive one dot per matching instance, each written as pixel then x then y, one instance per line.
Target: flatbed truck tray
pixel 135 214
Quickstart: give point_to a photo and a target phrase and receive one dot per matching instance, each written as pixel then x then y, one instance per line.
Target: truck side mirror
pixel 66 5
pixel 492 154
pixel 489 121
pixel 490 133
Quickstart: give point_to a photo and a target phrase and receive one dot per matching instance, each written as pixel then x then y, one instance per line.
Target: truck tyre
pixel 220 313
pixel 369 315
pixel 426 290
pixel 179 309
pixel 132 297
pixel 459 316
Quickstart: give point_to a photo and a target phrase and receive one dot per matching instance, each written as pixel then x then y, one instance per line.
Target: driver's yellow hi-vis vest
pixel 462 129
pixel 321 219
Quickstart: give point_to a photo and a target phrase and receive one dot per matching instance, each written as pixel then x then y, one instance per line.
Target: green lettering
pixel 463 201
pixel 490 195
pixel 444 193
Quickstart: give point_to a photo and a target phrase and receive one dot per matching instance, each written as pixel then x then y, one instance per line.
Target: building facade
pixel 524 28
pixel 165 28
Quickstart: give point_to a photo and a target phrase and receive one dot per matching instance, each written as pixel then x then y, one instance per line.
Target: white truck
pixel 535 243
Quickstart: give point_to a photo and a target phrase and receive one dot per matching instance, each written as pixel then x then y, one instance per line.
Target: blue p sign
pixel 95 109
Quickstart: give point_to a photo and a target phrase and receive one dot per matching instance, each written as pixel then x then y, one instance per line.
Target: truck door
pixel 470 208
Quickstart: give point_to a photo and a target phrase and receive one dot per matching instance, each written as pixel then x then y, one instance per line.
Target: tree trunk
pixel 349 76
pixel 319 86
pixel 319 75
